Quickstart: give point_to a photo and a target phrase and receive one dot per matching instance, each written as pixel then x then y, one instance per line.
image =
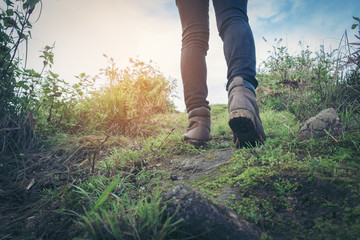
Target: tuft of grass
pixel 125 206
pixel 128 218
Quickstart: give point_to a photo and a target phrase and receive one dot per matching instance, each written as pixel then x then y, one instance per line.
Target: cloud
pixel 262 11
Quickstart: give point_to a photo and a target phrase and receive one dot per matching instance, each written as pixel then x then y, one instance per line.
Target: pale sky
pixel 84 30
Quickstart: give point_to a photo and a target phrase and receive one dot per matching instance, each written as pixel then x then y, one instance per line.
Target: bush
pixel 131 97
pixel 31 103
pixel 308 82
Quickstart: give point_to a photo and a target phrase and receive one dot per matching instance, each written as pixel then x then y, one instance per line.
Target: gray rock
pixel 200 165
pixel 205 220
pixel 326 120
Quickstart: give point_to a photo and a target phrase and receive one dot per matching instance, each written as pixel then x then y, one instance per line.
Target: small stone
pixel 315 127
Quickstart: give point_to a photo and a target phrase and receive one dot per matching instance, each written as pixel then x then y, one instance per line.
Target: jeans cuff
pixel 248 85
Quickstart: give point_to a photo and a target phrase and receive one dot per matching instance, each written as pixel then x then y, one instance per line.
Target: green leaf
pixel 54 75
pixel 32 3
pixel 354 26
pixel 22 85
pixel 9 22
pixel 80 190
pixel 10 12
pixel 9 3
pixel 106 194
pixel 356 18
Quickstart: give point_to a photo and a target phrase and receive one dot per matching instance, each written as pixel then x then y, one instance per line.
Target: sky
pixel 84 30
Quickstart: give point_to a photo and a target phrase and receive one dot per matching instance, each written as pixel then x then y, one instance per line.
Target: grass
pixel 127 216
pixel 289 187
pixel 306 188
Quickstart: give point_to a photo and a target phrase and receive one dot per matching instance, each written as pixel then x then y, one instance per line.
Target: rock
pixel 205 220
pixel 315 127
pixel 200 165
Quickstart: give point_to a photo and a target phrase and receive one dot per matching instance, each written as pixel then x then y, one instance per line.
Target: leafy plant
pixel 307 82
pixel 16 120
pixel 129 99
pixel 56 100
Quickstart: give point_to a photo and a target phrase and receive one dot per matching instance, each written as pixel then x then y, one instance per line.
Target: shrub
pixel 308 82
pixel 129 99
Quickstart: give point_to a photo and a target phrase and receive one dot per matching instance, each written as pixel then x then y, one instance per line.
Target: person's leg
pixel 194 17
pixel 239 50
pixel 239 46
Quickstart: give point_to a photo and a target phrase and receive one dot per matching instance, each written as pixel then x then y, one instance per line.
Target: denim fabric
pixel 239 46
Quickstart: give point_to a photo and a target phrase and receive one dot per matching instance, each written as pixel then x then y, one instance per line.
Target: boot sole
pixel 242 123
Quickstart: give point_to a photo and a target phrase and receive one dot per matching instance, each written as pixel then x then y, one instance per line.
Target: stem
pixel 23 26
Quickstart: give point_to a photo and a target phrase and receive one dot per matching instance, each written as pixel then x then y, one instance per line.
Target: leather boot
pixel 198 131
pixel 244 118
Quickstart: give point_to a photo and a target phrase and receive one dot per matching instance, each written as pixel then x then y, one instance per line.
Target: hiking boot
pixel 244 119
pixel 198 131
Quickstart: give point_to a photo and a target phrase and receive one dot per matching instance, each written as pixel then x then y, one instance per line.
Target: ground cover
pixel 86 187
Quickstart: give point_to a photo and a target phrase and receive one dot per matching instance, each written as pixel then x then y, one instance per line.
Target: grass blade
pixel 106 194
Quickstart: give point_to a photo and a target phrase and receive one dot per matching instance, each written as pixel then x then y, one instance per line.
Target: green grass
pixel 306 188
pixel 289 187
pixel 128 217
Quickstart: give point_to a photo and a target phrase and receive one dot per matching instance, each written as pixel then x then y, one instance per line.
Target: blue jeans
pixel 239 46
